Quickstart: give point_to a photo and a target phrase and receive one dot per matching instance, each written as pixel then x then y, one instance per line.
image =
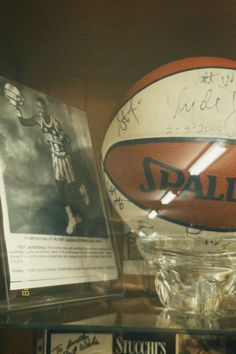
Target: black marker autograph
pixel 208 102
pixel 124 117
pixel 77 345
pixel 210 77
pixel 116 200
pixel 230 120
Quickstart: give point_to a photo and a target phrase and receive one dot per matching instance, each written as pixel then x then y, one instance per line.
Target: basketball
pixel 169 153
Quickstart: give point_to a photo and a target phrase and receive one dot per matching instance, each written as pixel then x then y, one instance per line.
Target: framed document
pixel 55 232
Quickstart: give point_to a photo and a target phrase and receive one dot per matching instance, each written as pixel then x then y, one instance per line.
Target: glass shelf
pixel 131 313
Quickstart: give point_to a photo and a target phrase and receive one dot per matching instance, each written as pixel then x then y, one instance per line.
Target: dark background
pixel 88 52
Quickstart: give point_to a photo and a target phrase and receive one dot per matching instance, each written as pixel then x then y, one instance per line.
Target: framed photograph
pixel 55 232
pixel 205 344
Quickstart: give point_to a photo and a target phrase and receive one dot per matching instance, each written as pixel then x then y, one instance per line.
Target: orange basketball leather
pixel 207 201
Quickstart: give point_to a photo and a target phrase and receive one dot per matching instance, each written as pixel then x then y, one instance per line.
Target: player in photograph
pixel 59 144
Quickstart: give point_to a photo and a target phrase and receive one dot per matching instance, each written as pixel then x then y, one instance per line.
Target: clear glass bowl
pixel 193 274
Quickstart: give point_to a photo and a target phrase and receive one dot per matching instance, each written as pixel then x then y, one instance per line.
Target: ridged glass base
pixel 194 275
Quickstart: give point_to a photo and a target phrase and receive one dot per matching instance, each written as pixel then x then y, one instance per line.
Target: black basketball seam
pixel 168 139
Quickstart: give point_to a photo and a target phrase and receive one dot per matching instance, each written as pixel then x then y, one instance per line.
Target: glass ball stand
pixel 181 320
pixel 194 274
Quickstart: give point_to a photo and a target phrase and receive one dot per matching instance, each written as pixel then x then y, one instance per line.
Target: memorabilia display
pixel 132 342
pixel 55 230
pixel 168 164
pixel 113 342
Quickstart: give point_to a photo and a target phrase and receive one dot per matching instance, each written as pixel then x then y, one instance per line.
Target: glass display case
pixel 87 54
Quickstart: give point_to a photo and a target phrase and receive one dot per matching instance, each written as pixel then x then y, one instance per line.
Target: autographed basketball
pixel 169 153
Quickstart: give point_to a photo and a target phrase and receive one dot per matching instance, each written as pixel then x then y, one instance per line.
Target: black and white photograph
pixel 48 169
pixel 51 200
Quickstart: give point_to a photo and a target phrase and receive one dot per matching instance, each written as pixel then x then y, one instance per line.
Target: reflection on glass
pixel 211 155
pixel 168 197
